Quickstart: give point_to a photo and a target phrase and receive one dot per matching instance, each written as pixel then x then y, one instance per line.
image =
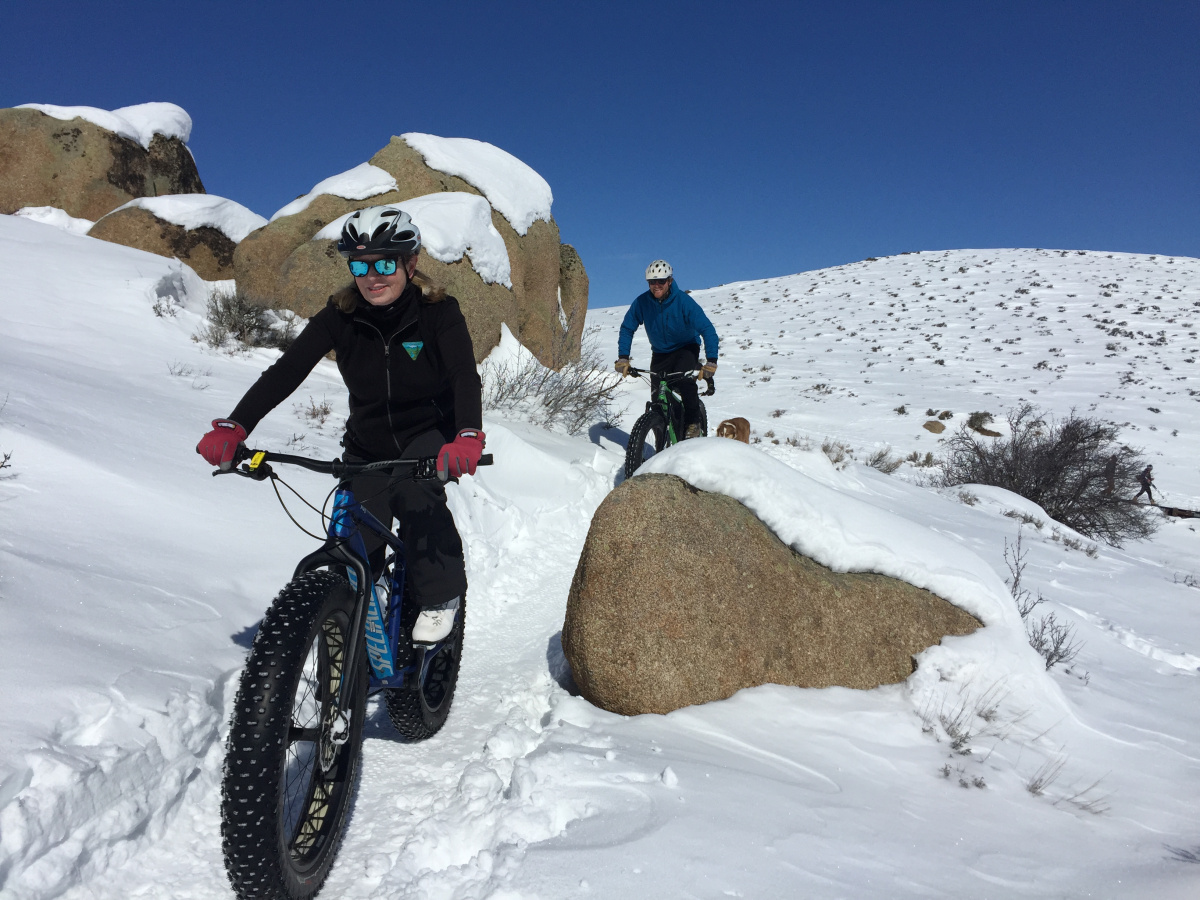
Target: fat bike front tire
pixel 292 757
pixel 650 427
pixel 419 709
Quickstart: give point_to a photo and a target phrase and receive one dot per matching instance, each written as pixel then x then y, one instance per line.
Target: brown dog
pixel 738 429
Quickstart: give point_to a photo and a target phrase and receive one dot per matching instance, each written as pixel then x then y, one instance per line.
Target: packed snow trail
pixel 448 817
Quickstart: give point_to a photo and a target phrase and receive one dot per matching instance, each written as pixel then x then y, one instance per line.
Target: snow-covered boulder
pixel 89 161
pixel 507 267
pixel 199 229
pixel 683 596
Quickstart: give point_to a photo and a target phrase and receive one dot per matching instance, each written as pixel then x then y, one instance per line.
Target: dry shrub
pixel 575 396
pixel 883 460
pixel 1059 465
pixel 233 317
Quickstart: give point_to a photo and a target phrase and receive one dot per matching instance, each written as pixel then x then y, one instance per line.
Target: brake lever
pixel 260 472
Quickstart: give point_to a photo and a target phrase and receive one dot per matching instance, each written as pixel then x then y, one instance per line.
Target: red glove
pixel 460 455
pixel 219 445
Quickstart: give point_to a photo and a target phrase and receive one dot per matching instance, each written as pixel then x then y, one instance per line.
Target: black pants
pixel 682 360
pixel 433 548
pixel 1147 490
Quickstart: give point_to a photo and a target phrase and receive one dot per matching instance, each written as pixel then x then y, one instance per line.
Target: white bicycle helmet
pixel 660 268
pixel 379 229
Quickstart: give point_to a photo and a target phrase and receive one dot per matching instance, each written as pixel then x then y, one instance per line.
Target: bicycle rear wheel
pixel 419 709
pixel 649 428
pixel 292 756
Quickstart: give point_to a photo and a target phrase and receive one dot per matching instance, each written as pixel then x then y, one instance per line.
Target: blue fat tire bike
pixel 661 425
pixel 327 641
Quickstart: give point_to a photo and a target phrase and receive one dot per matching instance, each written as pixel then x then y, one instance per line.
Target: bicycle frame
pixel 669 401
pixel 671 405
pixel 374 624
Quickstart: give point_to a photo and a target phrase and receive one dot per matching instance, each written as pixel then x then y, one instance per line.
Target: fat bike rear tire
pixel 650 427
pixel 419 709
pixel 291 761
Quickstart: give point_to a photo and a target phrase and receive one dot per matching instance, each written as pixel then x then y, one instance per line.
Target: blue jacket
pixel 675 321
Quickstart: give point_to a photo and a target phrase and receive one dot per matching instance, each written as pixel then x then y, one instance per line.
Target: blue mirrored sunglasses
pixel 359 268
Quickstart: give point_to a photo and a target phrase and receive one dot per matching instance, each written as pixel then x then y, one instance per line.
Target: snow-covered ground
pixel 131 583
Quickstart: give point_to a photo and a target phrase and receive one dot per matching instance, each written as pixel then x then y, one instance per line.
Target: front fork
pixel 664 401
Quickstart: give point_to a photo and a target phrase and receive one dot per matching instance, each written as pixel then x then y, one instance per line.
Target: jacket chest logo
pixel 413 348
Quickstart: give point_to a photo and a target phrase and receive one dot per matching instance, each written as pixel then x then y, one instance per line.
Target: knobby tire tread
pixel 407 707
pixel 635 452
pixel 257 861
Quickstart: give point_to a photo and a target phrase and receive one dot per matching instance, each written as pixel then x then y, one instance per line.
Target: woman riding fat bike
pixel 406 357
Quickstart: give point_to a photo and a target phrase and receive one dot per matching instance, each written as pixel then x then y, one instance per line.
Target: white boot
pixel 435 623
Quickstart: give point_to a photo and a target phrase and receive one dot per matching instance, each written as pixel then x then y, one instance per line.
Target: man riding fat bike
pixel 675 324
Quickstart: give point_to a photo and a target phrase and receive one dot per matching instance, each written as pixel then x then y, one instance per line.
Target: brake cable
pixel 320 512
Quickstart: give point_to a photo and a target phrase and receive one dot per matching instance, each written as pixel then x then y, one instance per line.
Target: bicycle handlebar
pixel 692 373
pixel 257 468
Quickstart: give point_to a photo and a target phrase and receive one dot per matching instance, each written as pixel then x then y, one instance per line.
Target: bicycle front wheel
pixel 649 430
pixel 292 756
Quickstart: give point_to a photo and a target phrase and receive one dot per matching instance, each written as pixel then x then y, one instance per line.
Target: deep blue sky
pixel 738 141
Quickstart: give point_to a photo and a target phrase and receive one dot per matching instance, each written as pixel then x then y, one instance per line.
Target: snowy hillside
pixel 837 351
pixel 131 583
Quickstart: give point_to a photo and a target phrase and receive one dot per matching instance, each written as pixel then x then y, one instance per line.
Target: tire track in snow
pixel 1185 662
pixel 467 800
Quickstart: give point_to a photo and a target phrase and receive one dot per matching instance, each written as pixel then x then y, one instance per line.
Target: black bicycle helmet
pixel 379 229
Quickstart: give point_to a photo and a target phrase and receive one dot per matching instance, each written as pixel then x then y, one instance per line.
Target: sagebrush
pixel 233 317
pixel 581 392
pixel 1059 464
pixel 1053 640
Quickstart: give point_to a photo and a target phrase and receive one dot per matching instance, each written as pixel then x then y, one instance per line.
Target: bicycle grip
pixel 485 460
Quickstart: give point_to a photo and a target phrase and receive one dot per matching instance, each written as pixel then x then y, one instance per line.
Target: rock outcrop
pixel 84 169
pixel 199 229
pixel 281 266
pixel 573 292
pixel 205 249
pixel 683 596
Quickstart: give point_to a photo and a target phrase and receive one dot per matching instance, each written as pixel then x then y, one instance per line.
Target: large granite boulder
pixel 683 596
pixel 266 274
pixel 72 163
pixel 199 229
pixel 573 293
pixel 282 266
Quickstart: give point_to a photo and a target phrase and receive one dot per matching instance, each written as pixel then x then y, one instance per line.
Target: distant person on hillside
pixel 1145 479
pixel 1110 476
pixel 675 324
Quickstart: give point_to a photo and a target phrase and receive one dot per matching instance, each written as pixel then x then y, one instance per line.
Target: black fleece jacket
pixel 409 367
